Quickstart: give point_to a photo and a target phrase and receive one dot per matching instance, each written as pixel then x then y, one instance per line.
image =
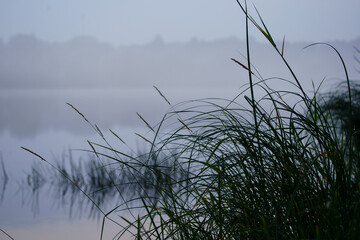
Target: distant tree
pixel 344 113
pixel 338 104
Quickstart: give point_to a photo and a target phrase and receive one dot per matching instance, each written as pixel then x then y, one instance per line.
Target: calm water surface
pixel 41 121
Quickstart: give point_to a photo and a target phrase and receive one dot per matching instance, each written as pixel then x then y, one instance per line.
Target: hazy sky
pixel 138 21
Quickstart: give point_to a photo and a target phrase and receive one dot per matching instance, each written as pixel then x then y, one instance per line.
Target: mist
pixel 110 84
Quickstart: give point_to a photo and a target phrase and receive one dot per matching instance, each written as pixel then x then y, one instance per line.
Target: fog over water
pixel 110 84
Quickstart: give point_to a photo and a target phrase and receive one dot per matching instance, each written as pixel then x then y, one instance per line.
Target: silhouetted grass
pixel 275 167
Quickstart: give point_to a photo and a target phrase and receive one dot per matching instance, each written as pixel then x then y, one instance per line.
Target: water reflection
pixel 93 186
pixel 4 178
pixel 29 187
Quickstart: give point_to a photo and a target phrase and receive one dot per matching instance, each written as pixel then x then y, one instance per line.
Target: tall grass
pixel 274 167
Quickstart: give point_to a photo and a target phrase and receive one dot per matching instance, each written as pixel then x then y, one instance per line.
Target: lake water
pixel 42 121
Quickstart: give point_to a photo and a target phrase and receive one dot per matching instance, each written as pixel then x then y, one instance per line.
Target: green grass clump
pixel 277 166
